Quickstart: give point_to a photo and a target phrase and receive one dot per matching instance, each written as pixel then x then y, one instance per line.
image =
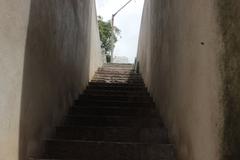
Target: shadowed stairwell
pixel 114 119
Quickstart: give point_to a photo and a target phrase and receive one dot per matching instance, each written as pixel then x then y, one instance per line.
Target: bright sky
pixel 128 21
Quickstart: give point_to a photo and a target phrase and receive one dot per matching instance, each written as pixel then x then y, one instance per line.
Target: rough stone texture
pixel 179 56
pixel 13 29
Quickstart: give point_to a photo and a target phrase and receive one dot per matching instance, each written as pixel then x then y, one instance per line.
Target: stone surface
pixel 109 132
pixel 108 150
pixel 114 134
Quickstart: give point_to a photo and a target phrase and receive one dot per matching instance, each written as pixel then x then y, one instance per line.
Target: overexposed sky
pixel 128 21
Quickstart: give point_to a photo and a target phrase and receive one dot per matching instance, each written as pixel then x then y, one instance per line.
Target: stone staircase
pixel 115 119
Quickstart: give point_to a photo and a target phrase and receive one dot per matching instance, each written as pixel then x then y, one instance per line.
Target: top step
pixel 118 65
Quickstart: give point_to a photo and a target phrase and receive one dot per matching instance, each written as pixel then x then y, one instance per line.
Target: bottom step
pixel 114 134
pixel 85 150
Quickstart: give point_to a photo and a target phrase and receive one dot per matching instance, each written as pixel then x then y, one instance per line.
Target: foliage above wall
pixel 106 37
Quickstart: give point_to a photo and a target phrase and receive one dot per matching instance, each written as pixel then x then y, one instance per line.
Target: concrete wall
pixel 13 29
pixel 229 12
pixel 97 57
pixel 62 53
pixel 180 57
pixel 49 50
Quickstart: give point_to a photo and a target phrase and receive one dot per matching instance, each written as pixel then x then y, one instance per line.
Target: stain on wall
pixel 229 14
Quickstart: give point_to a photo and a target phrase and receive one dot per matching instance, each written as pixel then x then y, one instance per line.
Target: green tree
pixel 105 31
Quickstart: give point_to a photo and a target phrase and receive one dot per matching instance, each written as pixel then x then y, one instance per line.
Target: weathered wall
pixel 229 13
pixel 180 51
pixel 13 29
pixel 57 65
pixel 48 50
pixel 97 57
pixel 62 51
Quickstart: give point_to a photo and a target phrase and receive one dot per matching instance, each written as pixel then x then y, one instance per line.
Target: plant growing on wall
pixel 107 37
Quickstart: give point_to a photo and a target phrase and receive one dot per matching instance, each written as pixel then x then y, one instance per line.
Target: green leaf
pixel 106 32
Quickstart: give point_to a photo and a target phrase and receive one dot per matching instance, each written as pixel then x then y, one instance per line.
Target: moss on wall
pixel 229 18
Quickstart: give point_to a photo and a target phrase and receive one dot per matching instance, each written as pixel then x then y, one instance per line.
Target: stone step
pixel 122 70
pixel 127 85
pixel 129 79
pixel 137 76
pixel 128 73
pixel 118 72
pixel 114 111
pixel 107 103
pixel 118 67
pixel 124 98
pixel 118 64
pixel 117 88
pixel 113 134
pixel 114 81
pixel 118 82
pixel 97 150
pixel 113 121
pixel 117 92
pixel 133 75
pixel 116 96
